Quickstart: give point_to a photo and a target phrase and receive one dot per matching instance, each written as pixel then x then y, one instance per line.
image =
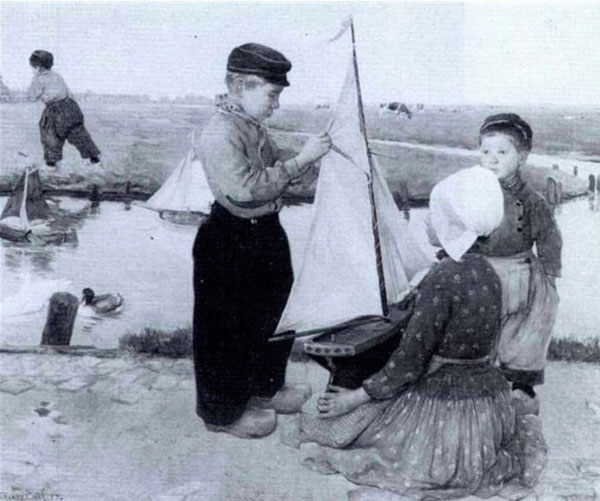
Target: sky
pixel 441 52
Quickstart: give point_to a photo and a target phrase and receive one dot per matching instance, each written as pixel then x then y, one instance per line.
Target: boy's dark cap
pixel 260 60
pixel 509 123
pixel 42 58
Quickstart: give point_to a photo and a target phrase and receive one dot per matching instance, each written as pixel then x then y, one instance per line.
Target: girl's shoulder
pixel 448 272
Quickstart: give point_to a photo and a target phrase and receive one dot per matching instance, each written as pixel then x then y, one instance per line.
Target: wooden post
pixel 405 203
pixel 591 183
pixel 575 170
pixel 551 191
pixel 95 196
pixel 61 318
pixel 559 193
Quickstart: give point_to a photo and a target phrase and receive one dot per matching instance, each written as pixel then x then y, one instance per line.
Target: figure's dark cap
pixel 42 58
pixel 509 123
pixel 260 60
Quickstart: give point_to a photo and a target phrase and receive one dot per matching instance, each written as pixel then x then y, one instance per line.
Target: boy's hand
pixel 316 147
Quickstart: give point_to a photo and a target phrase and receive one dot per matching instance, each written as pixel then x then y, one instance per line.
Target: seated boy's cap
pixel 260 60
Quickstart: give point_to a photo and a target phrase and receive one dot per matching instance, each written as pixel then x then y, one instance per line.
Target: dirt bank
pixel 86 428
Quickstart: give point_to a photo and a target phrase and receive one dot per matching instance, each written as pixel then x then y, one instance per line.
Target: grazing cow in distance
pixel 396 108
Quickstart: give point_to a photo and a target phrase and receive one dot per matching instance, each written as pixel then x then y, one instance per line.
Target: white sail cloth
pixel 338 280
pixel 185 190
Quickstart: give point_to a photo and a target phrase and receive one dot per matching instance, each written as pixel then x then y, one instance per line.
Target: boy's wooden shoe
pixel 254 423
pixel 288 400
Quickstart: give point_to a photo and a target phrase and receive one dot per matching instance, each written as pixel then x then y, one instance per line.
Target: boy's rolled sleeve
pixel 223 154
pixel 35 90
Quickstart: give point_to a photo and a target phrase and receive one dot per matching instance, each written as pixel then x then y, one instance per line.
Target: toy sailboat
pixel 185 197
pixel 360 257
pixel 26 213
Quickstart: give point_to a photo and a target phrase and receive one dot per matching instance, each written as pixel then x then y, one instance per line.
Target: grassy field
pixel 142 143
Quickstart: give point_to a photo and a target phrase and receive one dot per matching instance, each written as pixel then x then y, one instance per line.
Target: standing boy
pixel 62 119
pixel 242 266
pixel 529 297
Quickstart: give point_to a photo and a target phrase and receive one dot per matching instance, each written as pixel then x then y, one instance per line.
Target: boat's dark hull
pixel 22 236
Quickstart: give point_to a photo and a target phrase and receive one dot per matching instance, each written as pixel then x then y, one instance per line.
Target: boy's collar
pixel 226 105
pixel 513 183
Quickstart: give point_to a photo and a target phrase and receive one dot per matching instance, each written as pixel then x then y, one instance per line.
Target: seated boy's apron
pixel 529 305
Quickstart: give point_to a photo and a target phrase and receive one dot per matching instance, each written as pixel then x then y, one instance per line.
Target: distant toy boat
pixel 185 197
pixel 25 215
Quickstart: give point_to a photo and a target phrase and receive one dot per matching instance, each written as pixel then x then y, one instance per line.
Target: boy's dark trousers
pixel 242 279
pixel 63 121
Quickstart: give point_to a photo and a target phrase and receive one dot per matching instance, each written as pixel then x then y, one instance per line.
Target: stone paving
pixel 86 428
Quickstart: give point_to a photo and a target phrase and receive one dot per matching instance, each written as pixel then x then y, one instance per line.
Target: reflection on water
pixel 126 249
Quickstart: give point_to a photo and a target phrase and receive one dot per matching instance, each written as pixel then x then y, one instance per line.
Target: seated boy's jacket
pixel 528 219
pixel 48 86
pixel 239 159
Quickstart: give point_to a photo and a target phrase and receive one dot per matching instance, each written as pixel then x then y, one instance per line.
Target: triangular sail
pixel 32 205
pixel 338 280
pixel 26 204
pixel 185 190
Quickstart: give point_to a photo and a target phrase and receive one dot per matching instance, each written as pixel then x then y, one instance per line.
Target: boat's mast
pixel 24 219
pixel 363 129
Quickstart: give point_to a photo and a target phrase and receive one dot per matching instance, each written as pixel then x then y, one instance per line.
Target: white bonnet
pixel 464 206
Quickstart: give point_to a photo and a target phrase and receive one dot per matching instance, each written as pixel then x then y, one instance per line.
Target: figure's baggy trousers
pixel 63 121
pixel 242 279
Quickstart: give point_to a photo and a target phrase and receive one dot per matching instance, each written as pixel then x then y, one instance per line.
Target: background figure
pixel 62 119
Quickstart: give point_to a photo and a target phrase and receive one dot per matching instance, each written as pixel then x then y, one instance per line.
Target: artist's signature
pixel 30 496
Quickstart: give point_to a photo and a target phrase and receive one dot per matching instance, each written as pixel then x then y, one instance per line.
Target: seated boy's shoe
pixel 524 404
pixel 254 423
pixel 288 400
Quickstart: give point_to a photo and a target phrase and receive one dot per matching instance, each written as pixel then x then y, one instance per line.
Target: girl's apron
pixel 529 306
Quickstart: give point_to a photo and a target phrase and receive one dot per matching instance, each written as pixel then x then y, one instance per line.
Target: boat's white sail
pixel 185 190
pixel 19 222
pixel 339 279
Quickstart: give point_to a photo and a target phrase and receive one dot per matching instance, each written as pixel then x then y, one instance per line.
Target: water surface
pixel 149 261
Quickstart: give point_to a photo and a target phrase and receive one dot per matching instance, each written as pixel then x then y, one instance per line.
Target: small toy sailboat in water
pixel 26 214
pixel 185 197
pixel 360 257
